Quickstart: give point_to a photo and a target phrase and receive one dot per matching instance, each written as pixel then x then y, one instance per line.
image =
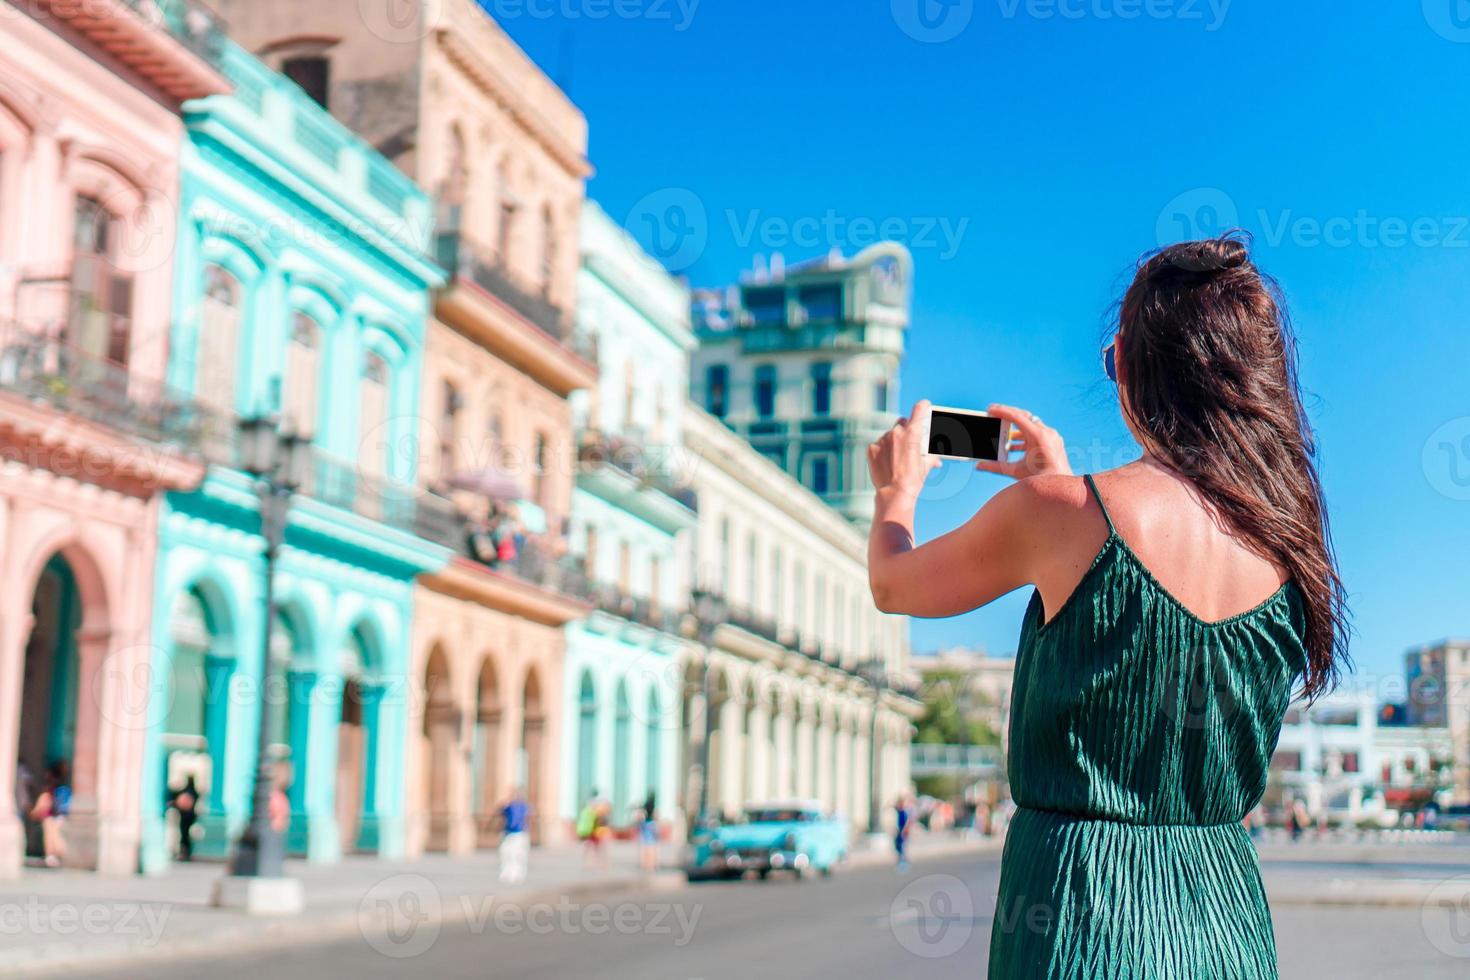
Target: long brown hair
pixel 1209 363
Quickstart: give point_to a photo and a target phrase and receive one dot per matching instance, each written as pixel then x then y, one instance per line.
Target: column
pixel 823 762
pixel 757 751
pixel 785 755
pixel 842 783
pixel 862 762
pixel 726 796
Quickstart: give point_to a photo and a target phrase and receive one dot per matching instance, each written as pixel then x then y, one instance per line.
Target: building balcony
pixel 173 44
pixel 535 561
pixel 632 458
pixel 65 408
pixel 636 609
pixel 514 321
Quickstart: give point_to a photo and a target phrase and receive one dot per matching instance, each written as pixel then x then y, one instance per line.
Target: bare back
pixel 1163 520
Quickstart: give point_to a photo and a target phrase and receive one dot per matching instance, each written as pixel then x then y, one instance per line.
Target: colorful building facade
pixel 803 362
pixel 450 98
pixel 807 683
pixel 631 518
pixel 90 436
pixel 301 289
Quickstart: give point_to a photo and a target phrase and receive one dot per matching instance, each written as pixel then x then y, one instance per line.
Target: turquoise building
pixel 630 514
pixel 301 288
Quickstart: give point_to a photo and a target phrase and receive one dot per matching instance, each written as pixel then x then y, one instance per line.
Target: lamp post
pixel 279 461
pixel 710 610
pixel 875 673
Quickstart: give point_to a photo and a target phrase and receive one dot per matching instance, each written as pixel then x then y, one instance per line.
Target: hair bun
pixel 1210 255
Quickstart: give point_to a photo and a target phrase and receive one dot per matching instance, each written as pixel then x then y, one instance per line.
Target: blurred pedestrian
pixel 648 835
pixel 185 802
pixel 50 810
pixel 588 822
pixel 904 812
pixel 278 810
pixel 515 841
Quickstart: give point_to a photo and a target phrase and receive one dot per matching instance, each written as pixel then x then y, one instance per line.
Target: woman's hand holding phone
pixel 1041 447
pixel 898 461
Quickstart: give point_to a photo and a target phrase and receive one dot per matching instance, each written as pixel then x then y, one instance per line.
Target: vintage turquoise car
pixel 783 835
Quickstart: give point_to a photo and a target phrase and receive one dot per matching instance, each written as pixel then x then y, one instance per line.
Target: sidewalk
pixel 54 919
pixel 51 921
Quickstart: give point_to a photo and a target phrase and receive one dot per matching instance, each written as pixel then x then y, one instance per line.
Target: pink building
pixel 89 437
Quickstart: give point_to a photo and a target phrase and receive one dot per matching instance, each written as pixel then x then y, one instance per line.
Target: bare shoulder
pixel 1053 496
pixel 1049 506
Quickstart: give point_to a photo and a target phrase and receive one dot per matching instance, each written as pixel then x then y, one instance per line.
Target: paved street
pixel 933 923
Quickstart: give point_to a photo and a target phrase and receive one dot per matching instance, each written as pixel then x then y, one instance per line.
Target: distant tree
pixel 950 705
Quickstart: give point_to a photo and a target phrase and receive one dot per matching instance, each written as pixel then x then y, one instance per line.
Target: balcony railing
pixel 629 455
pixel 37 364
pixel 637 609
pixel 478 263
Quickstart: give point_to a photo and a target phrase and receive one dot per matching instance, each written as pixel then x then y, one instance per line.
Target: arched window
pixel 303 363
pixel 506 226
pixel 374 417
pixel 548 251
pixel 219 339
pixel 450 408
pixel 100 320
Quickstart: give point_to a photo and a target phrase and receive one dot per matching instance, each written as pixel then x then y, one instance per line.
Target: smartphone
pixel 959 433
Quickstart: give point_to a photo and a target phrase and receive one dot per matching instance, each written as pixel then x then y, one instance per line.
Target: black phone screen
pixel 970 436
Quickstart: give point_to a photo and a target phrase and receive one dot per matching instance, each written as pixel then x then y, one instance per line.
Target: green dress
pixel 1140 738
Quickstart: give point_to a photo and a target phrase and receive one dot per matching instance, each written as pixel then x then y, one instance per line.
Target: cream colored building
pixel 792 710
pixel 988 682
pixel 443 91
pixel 1438 677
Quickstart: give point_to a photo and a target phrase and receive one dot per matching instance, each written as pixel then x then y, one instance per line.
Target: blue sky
pixel 1029 152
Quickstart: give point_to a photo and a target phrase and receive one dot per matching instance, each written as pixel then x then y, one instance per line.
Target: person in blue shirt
pixel 515 843
pixel 905 818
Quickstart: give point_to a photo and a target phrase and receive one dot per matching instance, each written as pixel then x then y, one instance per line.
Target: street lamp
pixel 279 460
pixel 710 610
pixel 874 672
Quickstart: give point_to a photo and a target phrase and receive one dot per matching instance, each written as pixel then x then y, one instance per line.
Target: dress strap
pixel 1098 497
